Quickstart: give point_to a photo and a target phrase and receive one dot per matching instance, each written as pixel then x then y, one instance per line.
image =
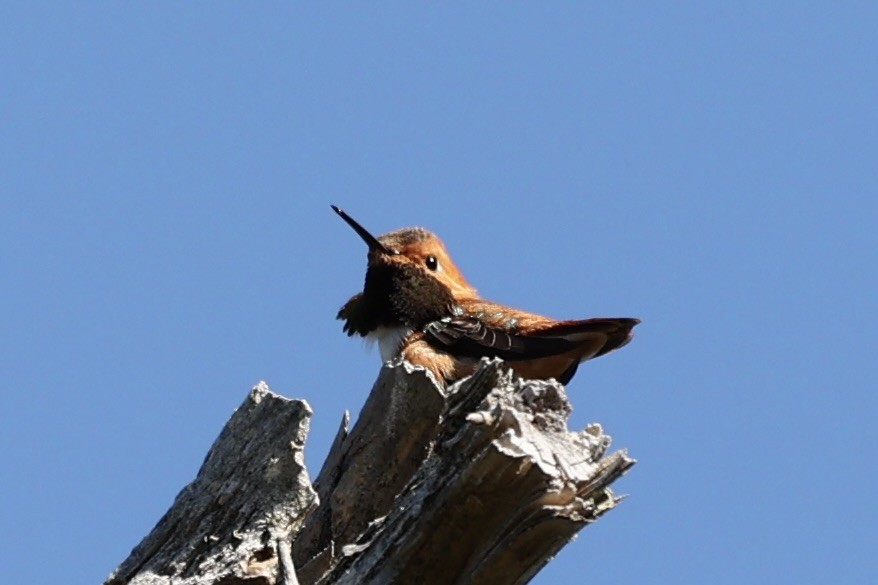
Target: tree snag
pixel 477 483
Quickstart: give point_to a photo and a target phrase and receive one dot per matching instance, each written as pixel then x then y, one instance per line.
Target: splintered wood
pixel 481 483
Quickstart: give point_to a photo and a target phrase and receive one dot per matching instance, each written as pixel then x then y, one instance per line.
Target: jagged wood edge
pixel 515 432
pixel 446 438
pixel 232 523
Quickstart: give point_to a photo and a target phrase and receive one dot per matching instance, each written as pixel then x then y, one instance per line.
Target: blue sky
pixel 166 173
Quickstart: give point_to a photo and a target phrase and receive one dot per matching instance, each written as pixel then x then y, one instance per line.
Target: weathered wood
pixel 251 493
pixel 368 468
pixel 478 483
pixel 503 488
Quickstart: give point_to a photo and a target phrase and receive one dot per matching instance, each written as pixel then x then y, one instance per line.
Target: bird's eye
pixel 431 262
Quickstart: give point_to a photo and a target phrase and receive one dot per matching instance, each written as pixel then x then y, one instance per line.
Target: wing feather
pixel 471 337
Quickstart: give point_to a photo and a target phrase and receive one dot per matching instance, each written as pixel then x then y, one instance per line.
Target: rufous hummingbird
pixel 416 303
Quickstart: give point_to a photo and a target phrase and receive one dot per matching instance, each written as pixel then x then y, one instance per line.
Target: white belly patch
pixel 389 340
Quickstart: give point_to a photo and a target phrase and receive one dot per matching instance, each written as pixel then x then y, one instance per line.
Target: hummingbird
pixel 417 304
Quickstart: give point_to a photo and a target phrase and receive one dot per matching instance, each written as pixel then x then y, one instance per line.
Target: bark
pixel 478 483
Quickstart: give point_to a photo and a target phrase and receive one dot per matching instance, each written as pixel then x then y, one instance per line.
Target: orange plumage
pixel 417 303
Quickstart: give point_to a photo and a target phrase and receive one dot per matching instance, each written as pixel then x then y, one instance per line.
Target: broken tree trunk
pixel 479 483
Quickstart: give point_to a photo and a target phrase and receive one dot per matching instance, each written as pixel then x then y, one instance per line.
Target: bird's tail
pixel 598 336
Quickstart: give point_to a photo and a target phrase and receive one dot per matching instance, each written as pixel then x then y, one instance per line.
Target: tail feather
pixel 604 334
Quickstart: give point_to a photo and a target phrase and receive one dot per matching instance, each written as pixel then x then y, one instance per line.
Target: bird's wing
pixel 471 337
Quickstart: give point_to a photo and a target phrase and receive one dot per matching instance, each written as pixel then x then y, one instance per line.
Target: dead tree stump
pixel 478 483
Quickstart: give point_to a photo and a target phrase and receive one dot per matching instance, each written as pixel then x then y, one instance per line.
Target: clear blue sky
pixel 166 172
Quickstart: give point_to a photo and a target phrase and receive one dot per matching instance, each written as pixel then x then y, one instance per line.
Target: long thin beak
pixel 371 241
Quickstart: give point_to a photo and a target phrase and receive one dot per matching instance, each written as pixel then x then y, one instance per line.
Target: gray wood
pixel 252 492
pixel 478 483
